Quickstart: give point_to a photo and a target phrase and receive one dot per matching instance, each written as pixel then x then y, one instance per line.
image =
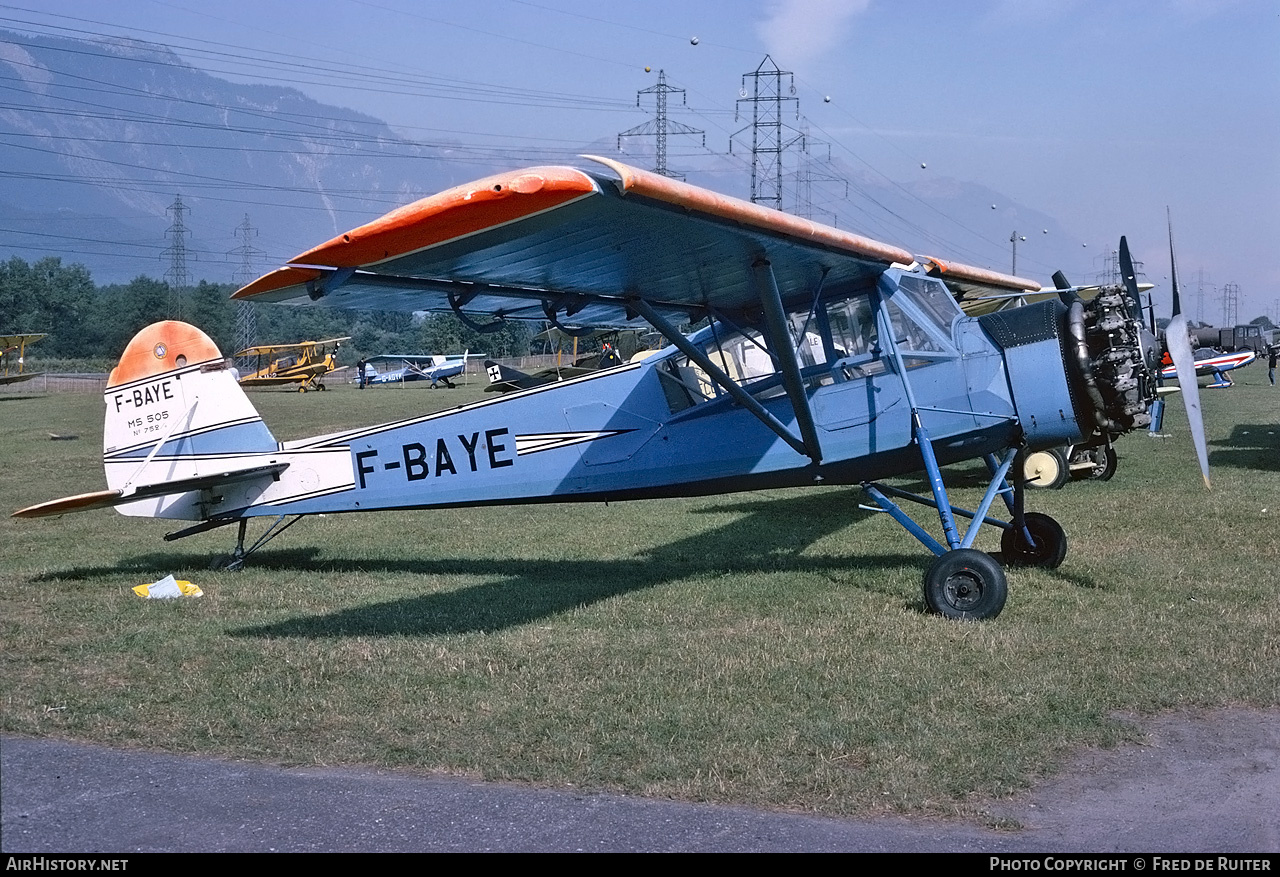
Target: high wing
pixel 575 247
pixel 582 249
pixel 426 359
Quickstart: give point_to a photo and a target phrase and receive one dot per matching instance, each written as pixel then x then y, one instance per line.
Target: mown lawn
pixel 762 648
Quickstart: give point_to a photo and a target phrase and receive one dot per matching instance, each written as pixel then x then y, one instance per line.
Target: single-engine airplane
pixel 601 348
pixel 1212 362
pixel 434 368
pixel 15 344
pixel 305 364
pixel 901 380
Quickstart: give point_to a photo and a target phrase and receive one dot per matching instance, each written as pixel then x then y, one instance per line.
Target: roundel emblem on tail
pixel 161 350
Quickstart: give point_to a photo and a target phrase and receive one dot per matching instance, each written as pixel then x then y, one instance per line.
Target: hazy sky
pixel 1099 114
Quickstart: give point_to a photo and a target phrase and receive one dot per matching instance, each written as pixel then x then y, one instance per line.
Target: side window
pixel 741 356
pixel 854 333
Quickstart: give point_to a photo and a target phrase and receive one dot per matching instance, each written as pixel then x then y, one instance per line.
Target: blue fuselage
pixel 662 427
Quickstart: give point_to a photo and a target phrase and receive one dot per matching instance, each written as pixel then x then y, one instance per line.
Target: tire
pixel 1050 543
pixel 965 584
pixel 1047 470
pixel 1104 466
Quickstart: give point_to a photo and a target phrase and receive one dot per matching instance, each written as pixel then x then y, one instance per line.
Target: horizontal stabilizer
pixel 108 498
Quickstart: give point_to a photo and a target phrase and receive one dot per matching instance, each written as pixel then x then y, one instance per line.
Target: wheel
pixel 1104 465
pixel 1046 469
pixel 967 584
pixel 1050 543
pixel 228 562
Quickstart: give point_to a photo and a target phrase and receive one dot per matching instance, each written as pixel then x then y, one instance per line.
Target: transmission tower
pixel 661 125
pixel 1230 304
pixel 1200 298
pixel 246 315
pixel 806 176
pixel 1111 275
pixel 177 274
pixel 766 99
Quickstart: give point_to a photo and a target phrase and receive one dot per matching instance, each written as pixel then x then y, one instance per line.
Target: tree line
pixel 88 323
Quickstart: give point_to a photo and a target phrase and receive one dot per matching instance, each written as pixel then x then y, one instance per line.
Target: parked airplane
pixel 436 369
pixel 305 364
pixel 12 368
pixel 1212 362
pixel 901 380
pixel 601 348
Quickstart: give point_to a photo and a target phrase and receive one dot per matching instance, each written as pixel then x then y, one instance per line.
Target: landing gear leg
pixel 235 560
pixel 962 582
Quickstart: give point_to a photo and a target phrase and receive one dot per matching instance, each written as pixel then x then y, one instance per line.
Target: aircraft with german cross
pixel 897 380
pixel 304 363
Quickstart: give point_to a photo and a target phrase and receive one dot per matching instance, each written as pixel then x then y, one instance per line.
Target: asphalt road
pixel 1209 784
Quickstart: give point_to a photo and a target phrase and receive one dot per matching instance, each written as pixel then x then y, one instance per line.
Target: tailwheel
pixel 967 584
pixel 1049 548
pixel 1046 469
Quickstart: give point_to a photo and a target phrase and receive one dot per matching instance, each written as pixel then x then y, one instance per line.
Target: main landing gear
pixel 965 583
pixel 962 582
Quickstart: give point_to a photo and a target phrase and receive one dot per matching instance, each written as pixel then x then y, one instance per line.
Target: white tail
pixel 175 412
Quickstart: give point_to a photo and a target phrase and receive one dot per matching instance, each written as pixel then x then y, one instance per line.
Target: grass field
pixel 766 648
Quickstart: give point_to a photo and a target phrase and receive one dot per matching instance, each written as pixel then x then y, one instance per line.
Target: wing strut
pixel 775 322
pixel 741 396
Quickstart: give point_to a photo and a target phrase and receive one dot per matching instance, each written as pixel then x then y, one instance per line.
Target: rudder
pixel 175 411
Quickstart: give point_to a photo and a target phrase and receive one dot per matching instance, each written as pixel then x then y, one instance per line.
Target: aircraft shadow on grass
pixel 1250 446
pixel 770 536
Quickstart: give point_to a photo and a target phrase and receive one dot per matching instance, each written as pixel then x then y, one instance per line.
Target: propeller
pixel 1177 341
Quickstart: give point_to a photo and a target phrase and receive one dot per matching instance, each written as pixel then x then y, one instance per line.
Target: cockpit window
pixel 933 298
pixel 910 336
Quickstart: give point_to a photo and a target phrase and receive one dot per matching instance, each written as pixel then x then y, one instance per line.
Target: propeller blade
pixel 1179 344
pixel 1130 277
pixel 1060 281
pixel 1173 266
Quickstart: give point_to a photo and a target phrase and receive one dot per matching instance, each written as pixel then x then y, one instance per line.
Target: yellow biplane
pixel 305 364
pixel 15 344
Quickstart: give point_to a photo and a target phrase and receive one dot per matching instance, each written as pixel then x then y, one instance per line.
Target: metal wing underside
pixel 678 247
